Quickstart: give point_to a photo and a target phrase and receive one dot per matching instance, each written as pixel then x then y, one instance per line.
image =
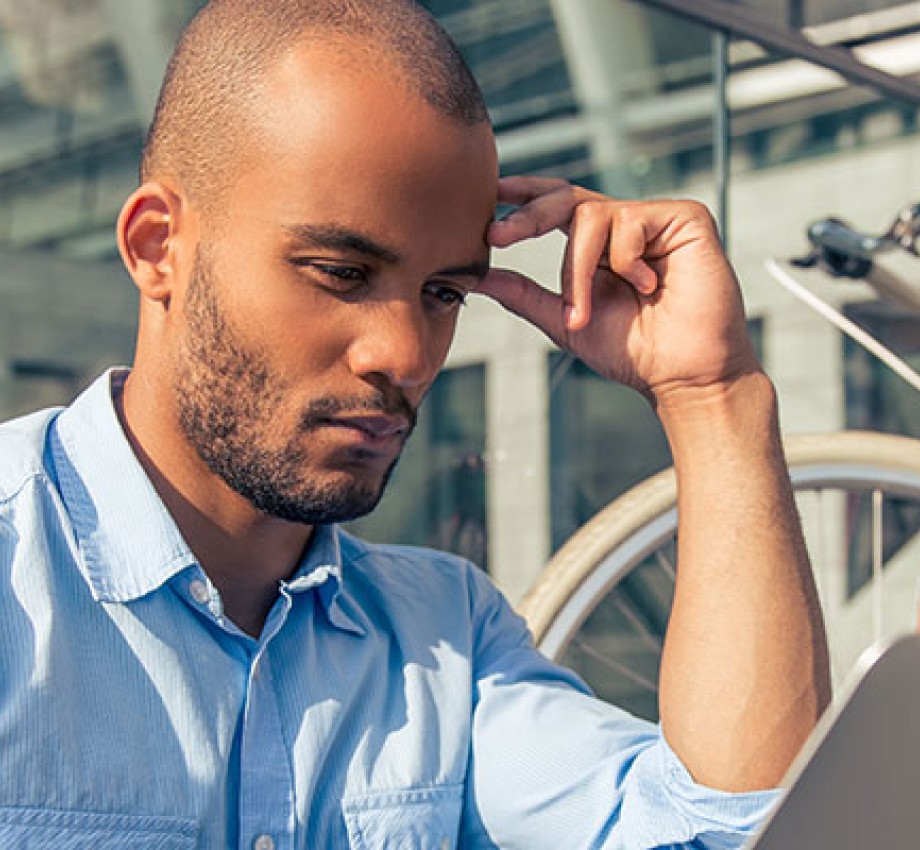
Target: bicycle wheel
pixel 602 603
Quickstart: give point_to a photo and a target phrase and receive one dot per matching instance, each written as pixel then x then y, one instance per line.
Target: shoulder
pixel 413 577
pixel 22 450
pixel 421 561
pixel 408 570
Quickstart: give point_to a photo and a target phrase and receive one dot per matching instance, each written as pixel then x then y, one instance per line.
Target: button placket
pixel 267 783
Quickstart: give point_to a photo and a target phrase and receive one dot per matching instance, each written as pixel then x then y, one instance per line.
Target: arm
pixel 649 300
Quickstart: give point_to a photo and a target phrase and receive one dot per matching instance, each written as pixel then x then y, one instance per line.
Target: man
pixel 193 655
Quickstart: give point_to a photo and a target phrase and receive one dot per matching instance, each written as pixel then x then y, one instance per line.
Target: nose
pixel 396 342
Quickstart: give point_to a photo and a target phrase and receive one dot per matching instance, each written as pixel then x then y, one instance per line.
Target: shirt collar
pixel 322 567
pixel 129 542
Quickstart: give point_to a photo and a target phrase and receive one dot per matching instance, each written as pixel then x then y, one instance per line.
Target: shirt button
pixel 264 842
pixel 200 594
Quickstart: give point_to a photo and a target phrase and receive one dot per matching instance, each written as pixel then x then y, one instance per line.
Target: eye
pixel 340 274
pixel 338 277
pixel 445 298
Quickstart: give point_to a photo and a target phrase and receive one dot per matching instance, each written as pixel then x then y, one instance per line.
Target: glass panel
pixel 878 400
pixel 632 113
pixel 900 525
pixel 786 112
pixel 514 50
pixel 71 132
pixel 603 439
pixel 437 496
pixel 71 129
pixel 812 12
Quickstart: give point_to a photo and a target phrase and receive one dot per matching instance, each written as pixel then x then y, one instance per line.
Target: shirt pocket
pixel 32 829
pixel 418 819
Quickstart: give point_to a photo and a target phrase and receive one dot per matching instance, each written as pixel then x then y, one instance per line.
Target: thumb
pixel 526 298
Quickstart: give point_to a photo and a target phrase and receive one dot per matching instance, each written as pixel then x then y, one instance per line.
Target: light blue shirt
pixel 393 700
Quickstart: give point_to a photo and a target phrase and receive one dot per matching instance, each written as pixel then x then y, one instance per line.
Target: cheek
pixel 443 337
pixel 307 348
pixel 299 332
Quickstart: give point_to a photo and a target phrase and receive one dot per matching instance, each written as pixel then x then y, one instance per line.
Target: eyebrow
pixel 335 237
pixel 478 269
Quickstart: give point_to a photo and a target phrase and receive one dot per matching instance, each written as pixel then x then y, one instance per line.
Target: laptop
pixel 857 782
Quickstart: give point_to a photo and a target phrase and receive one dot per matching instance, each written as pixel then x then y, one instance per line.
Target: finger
pixel 525 298
pixel 587 243
pixel 632 230
pixel 534 219
pixel 521 189
pixel 546 205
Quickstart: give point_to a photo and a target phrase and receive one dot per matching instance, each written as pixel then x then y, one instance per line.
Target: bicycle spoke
pixel 666 564
pixel 613 664
pixel 877 555
pixel 646 635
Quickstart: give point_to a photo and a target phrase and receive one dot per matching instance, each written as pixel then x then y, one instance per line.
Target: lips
pixel 375 427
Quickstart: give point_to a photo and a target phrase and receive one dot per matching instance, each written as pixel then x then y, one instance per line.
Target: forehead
pixel 339 139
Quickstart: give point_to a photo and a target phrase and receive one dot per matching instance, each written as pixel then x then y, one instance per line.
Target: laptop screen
pixel 857 782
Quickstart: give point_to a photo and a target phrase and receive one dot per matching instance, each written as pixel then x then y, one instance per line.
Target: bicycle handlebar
pixel 844 251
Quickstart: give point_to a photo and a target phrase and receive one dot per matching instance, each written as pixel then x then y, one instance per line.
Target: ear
pixel 149 234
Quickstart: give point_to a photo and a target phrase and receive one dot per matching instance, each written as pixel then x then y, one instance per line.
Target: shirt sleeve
pixel 551 766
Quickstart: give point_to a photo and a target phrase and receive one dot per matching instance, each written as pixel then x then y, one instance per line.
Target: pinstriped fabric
pixel 393 699
pixel 99 832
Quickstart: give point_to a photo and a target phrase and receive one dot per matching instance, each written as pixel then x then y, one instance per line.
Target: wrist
pixel 717 416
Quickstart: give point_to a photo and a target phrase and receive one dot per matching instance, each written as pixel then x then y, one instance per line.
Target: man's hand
pixel 647 297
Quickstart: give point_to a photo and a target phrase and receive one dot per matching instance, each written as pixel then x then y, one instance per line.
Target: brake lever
pixel 905 229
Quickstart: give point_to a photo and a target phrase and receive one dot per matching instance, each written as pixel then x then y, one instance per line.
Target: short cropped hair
pixel 216 75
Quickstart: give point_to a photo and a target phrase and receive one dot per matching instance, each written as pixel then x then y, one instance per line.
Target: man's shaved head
pixel 216 80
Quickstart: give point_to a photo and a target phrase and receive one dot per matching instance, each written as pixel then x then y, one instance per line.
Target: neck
pixel 244 552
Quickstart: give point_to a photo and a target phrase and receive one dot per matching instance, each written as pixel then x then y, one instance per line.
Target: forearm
pixel 744 672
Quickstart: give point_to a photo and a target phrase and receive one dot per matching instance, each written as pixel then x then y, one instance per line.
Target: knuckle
pixel 538 224
pixel 588 212
pixel 626 216
pixel 700 212
pixel 569 192
pixel 557 184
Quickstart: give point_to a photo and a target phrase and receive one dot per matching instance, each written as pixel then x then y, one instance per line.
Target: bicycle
pixel 601 604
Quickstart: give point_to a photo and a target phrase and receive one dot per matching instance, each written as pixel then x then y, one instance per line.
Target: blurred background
pixel 732 103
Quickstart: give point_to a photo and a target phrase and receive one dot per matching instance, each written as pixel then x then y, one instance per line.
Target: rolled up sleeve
pixel 551 766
